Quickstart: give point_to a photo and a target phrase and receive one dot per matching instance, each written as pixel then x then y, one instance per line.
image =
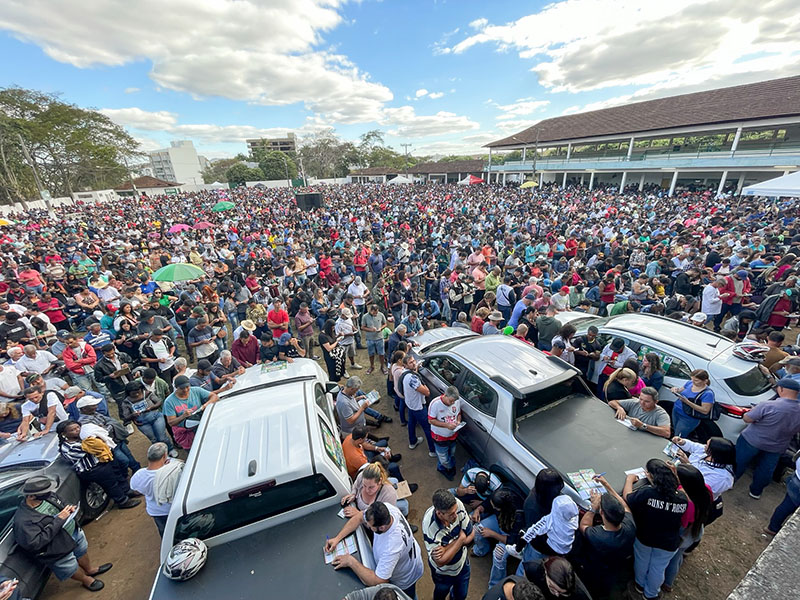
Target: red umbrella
pixel 203 225
pixel 179 227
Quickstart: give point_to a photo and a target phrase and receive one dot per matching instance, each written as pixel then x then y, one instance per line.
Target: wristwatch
pixel 644 426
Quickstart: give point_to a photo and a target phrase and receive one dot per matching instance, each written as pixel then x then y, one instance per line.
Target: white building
pixel 178 163
pixel 287 144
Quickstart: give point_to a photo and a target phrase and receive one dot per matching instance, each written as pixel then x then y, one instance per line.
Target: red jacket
pixel 75 364
pixel 731 289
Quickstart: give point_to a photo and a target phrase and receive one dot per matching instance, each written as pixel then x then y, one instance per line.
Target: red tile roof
pixel 147 182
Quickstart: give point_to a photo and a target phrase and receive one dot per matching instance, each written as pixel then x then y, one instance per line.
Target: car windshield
pixel 260 504
pixel 548 396
pixel 444 345
pixel 10 498
pixel 752 383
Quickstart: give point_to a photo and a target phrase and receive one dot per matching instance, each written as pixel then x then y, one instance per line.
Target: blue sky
pixel 444 76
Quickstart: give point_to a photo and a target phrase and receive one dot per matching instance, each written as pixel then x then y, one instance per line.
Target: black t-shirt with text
pixel 658 517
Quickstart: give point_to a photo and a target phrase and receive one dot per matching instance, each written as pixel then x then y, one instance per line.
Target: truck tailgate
pixel 285 561
pixel 581 433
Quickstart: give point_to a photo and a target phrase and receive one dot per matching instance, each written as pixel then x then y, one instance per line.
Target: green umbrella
pixel 178 272
pixel 224 205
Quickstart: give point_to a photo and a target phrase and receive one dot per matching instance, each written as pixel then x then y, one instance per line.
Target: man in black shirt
pixel 588 349
pixel 13 330
pixel 513 587
pixel 268 352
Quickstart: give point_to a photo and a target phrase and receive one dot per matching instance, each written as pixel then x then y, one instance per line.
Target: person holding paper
pixel 182 404
pixel 397 554
pixel 448 531
pixel 159 352
pixel 644 414
pixel 444 416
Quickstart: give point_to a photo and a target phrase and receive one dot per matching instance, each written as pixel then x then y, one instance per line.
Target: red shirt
pixel 54 314
pixel 280 317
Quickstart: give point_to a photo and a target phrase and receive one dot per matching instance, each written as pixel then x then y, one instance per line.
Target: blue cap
pixel 789 384
pixel 284 339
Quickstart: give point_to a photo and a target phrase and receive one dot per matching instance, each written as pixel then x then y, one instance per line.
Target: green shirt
pixel 46 508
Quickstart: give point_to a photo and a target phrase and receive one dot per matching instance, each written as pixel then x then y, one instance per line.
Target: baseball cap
pixel 62 335
pixel 72 391
pixel 699 317
pixel 741 274
pixel 284 339
pixel 564 288
pixel 530 296
pixel 789 384
pixel 181 381
pixel 88 401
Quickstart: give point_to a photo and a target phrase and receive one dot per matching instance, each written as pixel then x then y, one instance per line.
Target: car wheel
pixel 93 501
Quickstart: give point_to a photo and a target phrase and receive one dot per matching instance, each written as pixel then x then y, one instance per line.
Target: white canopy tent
pixel 786 185
pixel 399 179
pixel 218 186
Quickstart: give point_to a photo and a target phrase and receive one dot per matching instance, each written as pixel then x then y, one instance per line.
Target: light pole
pixel 407 146
pixel 286 165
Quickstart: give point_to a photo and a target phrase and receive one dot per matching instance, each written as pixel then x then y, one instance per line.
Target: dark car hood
pixel 39 452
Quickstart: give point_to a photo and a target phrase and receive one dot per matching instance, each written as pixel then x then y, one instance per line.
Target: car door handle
pixel 481 426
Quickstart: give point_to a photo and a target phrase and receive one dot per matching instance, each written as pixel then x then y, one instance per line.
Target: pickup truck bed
pixel 281 560
pixel 581 433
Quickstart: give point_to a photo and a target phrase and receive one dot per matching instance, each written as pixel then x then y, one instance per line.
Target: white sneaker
pixel 511 550
pixel 414 445
pixel 356 366
pixel 173 453
pixel 347 375
pixel 432 454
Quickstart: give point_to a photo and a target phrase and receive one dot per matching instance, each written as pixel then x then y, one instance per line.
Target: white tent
pixel 786 185
pixel 218 186
pixel 399 179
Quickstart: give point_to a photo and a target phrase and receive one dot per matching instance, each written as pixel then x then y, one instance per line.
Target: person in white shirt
pixel 714 459
pixel 143 481
pixel 36 361
pixel 360 293
pixel 32 408
pixel 11 382
pixel 397 554
pixel 712 302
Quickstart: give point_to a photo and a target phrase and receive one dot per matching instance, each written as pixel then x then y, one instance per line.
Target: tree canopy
pixel 74 149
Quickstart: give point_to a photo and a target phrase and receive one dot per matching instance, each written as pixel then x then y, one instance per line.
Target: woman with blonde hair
pixel 616 387
pixel 371 485
pixel 479 319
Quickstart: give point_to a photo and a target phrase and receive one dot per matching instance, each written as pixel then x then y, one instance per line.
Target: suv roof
pixel 504 357
pixel 258 431
pixel 700 342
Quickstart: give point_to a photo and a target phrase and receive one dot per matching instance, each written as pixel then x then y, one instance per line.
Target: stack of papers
pixel 627 423
pixel 671 450
pixel 371 398
pixel 346 546
pixel 640 474
pixel 460 426
pixel 584 483
pixel 274 366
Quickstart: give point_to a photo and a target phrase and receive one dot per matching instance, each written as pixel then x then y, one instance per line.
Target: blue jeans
pixel 446 455
pixel 419 417
pixel 455 585
pixel 400 405
pixel 763 469
pixel 375 347
pixel 123 455
pixel 393 469
pixel 683 424
pixel 649 566
pixel 505 311
pixel 529 553
pixel 152 425
pixel 790 503
pixel 545 346
pixel 677 559
pixel 482 545
pixel 82 381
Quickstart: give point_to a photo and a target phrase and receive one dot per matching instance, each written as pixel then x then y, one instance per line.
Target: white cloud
pixel 582 45
pixel 167 122
pixel 479 23
pixel 261 52
pixel 513 126
pixel 407 124
pixel 521 107
pixel 132 90
pixel 435 95
pixel 421 92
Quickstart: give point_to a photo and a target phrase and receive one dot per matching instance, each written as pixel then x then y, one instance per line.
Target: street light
pixel 286 165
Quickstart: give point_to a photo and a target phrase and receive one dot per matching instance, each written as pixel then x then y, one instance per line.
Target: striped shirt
pixel 436 534
pixel 80 460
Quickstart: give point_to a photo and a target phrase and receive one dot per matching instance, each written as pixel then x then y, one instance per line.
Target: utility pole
pixel 302 170
pixel 130 178
pixel 406 146
pixel 43 193
pixel 535 153
pixel 286 165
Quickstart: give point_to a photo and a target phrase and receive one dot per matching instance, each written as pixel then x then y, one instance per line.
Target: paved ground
pixel 128 538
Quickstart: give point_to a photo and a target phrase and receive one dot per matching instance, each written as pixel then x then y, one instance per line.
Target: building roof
pixel 453 166
pixel 765 99
pixel 147 182
pixel 372 171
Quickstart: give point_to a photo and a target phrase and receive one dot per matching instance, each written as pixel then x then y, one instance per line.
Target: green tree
pixel 274 164
pixel 240 173
pixel 217 170
pixel 73 148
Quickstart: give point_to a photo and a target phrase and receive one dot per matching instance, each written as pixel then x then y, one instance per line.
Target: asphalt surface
pixel 128 538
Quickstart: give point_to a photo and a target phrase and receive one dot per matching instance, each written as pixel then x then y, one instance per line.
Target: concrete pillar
pixel 524 153
pixel 672 185
pixel 569 151
pixel 736 137
pixel 591 181
pixel 504 177
pixel 641 182
pixel 630 148
pixel 786 172
pixel 582 174
pixel 564 182
pixel 489 168
pixel 622 182
pixel 722 182
pixel 541 178
pixel 740 184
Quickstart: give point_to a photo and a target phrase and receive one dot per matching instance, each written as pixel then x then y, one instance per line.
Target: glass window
pixel 252 505
pixel 321 400
pixel 752 383
pixel 671 365
pixel 444 368
pixel 333 448
pixel 479 394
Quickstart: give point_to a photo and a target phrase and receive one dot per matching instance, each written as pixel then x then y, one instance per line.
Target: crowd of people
pixel 93 346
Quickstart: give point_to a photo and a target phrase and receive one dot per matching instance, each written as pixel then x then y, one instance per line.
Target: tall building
pixel 287 144
pixel 729 137
pixel 179 163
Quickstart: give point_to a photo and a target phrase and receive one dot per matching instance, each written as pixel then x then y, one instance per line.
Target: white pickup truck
pixel 261 487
